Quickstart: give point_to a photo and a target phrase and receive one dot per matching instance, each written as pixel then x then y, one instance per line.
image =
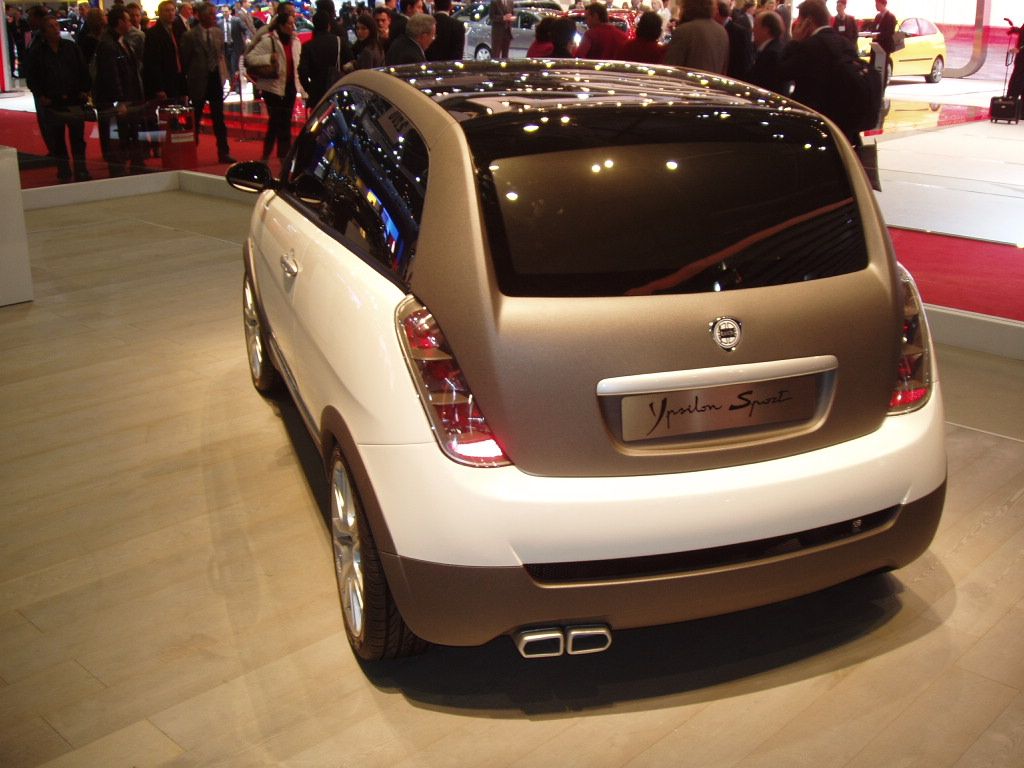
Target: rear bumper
pixel 466 605
pixel 471 554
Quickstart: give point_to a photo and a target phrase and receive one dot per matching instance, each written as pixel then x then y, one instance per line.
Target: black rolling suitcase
pixel 1003 108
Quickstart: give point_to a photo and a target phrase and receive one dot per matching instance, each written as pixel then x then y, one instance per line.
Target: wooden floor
pixel 167 595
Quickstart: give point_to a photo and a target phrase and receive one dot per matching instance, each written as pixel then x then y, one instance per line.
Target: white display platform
pixel 15 272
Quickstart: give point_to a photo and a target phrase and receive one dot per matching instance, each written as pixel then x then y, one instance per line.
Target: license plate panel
pixel 748 405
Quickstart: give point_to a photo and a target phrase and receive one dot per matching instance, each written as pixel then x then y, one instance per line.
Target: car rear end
pixel 671 364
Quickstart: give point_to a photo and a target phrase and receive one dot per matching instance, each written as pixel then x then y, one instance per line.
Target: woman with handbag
pixel 273 63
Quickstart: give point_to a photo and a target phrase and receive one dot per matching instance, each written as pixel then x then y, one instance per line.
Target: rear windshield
pixel 608 202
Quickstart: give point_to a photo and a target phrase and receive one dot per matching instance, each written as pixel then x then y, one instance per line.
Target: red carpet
pixel 21 131
pixel 959 273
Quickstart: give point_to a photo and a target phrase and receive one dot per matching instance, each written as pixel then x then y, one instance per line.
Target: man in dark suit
pixel 410 48
pixel 768 39
pixel 118 96
pixel 741 41
pixel 885 29
pixel 233 31
pixel 844 23
pixel 323 58
pixel 409 8
pixel 185 19
pixel 885 25
pixel 450 42
pixel 162 72
pixel 206 70
pixel 502 16
pixel 813 61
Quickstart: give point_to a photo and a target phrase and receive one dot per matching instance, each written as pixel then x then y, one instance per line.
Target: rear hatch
pixel 671 290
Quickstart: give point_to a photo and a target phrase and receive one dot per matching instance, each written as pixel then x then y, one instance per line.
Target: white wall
pixel 943 11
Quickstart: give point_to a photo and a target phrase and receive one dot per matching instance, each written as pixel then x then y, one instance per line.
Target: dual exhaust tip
pixel 556 641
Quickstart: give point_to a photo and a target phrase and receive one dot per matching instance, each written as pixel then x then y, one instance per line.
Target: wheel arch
pixel 335 432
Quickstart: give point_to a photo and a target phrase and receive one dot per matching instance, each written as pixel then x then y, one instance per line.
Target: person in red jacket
pixel 602 40
pixel 645 48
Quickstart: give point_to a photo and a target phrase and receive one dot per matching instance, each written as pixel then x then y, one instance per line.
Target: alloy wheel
pixel 253 332
pixel 348 561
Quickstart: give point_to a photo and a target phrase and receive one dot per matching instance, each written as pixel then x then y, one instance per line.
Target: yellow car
pixel 923 50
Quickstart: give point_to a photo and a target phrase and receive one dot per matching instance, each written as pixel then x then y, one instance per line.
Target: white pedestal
pixel 15 273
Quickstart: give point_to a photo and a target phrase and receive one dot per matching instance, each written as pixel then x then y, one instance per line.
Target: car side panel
pixel 345 347
pixel 274 237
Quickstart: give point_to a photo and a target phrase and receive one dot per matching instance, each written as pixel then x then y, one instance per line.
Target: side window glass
pixel 318 177
pixel 361 168
pixel 389 170
pixel 909 27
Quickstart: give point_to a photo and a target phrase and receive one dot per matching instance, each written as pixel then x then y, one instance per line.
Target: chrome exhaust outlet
pixel 580 640
pixel 540 643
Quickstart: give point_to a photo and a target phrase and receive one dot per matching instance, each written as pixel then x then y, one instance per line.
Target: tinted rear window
pixel 614 202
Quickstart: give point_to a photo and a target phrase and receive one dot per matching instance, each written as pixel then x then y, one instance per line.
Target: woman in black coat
pixel 367 49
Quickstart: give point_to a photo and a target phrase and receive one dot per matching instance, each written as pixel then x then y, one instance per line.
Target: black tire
pixel 482 53
pixel 937 68
pixel 265 377
pixel 373 623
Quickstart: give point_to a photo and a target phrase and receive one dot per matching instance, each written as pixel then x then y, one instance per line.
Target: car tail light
pixel 459 426
pixel 914 365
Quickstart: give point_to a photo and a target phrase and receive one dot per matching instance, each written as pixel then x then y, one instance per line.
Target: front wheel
pixel 373 624
pixel 482 53
pixel 936 74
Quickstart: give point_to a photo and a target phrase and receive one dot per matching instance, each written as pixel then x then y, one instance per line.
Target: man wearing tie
pixel 162 72
pixel 202 55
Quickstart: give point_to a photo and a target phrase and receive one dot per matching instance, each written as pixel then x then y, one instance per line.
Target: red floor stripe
pixel 961 273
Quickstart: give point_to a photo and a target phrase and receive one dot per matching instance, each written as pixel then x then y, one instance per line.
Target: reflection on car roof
pixel 468 89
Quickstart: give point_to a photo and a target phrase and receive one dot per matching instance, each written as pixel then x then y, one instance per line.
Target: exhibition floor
pixel 167 596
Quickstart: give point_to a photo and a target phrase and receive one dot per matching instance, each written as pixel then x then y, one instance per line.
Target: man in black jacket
pixel 741 41
pixel 450 42
pixel 885 26
pixel 117 93
pixel 410 48
pixel 768 27
pixel 813 62
pixel 162 70
pixel 206 70
pixel 59 79
pixel 323 58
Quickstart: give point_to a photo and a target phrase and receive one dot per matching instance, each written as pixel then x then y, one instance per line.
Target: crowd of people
pixel 121 67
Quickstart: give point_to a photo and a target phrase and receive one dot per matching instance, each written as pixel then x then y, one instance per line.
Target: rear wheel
pixel 265 377
pixel 936 74
pixel 374 626
pixel 482 53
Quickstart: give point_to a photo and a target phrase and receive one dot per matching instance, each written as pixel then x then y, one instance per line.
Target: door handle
pixel 289 265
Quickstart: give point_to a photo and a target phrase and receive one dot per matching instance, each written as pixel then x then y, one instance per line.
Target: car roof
pixel 471 90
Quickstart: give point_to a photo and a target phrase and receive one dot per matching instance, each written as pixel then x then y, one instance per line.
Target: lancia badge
pixel 726 332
